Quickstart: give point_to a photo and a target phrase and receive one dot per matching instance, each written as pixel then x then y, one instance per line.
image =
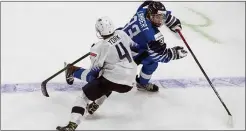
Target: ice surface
pixel 36 38
pixel 175 108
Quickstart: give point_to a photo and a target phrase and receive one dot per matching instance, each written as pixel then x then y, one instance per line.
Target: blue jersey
pixel 141 30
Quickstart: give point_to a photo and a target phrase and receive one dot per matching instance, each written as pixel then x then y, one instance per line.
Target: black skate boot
pixel 148 87
pixel 69 73
pixel 70 127
pixel 91 108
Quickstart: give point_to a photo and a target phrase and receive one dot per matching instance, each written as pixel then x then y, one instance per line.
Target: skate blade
pixel 142 89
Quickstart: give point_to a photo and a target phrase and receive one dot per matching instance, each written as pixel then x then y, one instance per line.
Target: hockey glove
pixel 176 26
pixel 173 23
pixel 178 52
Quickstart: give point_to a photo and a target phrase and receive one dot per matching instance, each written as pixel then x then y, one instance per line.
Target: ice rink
pixel 37 37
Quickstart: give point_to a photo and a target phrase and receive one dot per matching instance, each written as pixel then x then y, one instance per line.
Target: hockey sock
pixel 78 109
pixel 144 78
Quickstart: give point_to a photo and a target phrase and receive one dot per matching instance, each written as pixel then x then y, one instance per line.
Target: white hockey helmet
pixel 105 26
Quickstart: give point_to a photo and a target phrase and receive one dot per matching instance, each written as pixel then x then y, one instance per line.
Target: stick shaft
pixel 204 73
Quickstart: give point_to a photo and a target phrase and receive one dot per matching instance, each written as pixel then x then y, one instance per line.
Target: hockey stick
pixel 230 116
pixel 43 84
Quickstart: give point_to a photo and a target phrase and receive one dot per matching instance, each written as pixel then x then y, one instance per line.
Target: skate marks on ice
pixel 201 82
pixel 173 108
pixel 165 83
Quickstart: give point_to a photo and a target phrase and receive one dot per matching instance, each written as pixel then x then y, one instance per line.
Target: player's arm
pixel 98 55
pixel 160 53
pixel 134 46
pixel 172 22
pixel 143 51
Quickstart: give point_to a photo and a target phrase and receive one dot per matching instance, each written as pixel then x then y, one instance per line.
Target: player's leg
pixel 69 72
pixel 145 75
pixel 93 106
pixel 80 73
pixel 90 92
pixel 111 86
pixel 149 66
pixel 120 88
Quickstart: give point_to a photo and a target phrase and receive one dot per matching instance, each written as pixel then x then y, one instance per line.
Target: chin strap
pixel 99 36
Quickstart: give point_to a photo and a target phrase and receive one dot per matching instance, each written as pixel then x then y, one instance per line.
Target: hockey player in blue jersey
pixel 143 29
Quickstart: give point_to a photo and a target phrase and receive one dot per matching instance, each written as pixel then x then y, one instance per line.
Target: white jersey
pixel 114 56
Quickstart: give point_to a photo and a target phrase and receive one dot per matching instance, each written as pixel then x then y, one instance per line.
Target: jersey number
pixel 126 53
pixel 135 30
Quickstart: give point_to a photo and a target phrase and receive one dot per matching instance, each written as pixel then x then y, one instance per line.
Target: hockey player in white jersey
pixel 112 58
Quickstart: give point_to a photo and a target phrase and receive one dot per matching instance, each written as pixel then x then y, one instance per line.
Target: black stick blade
pixel 43 89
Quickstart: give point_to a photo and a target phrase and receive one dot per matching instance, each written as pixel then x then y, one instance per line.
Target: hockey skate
pixel 148 87
pixel 70 127
pixel 69 73
pixel 92 107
